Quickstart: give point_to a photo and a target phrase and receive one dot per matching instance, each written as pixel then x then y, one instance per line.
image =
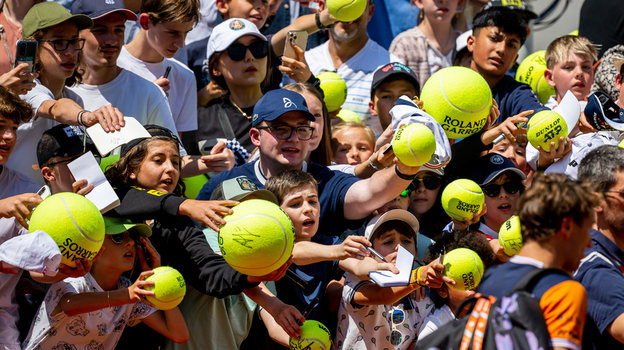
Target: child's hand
pixel 163 83
pixel 208 212
pixel 507 127
pixel 289 318
pixel 83 266
pixel 273 276
pixel 432 276
pixel 463 225
pixel 494 114
pixel 18 80
pixel 383 141
pixel 220 158
pixel 154 256
pixel 498 250
pixel 109 117
pixel 547 158
pixel 353 247
pixel 82 187
pixel 19 207
pixel 137 292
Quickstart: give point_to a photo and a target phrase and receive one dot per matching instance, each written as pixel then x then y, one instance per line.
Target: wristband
pixel 416 276
pixel 370 162
pixel 403 176
pixel 317 18
pixel 80 122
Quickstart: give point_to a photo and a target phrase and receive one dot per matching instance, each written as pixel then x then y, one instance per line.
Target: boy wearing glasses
pixel 92 311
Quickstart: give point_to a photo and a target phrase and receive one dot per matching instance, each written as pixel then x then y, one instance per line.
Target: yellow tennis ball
pixel 314 336
pixel 346 10
pixel 169 288
pixel 348 115
pixel 546 127
pixel 462 198
pixel 257 238
pixel 463 266
pixel 73 222
pixel 531 72
pixel 414 144
pixel 459 99
pixel 621 144
pixel 510 236
pixel 334 90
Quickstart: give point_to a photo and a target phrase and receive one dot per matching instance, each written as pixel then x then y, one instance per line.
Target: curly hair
pixel 14 108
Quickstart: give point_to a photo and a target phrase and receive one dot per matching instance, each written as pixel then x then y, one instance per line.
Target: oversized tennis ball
pixel 314 336
pixel 621 144
pixel 510 236
pixel 546 127
pixel 531 72
pixel 346 10
pixel 348 115
pixel 257 238
pixel 169 288
pixel 459 99
pixel 414 144
pixel 73 222
pixel 334 90
pixel 462 198
pixel 463 266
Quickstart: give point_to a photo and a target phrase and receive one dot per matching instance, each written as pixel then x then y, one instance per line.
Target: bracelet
pixel 370 162
pixel 108 298
pixel 416 276
pixel 80 122
pixel 401 175
pixel 317 18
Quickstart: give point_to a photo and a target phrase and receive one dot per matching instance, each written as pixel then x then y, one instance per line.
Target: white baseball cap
pixel 394 214
pixel 227 32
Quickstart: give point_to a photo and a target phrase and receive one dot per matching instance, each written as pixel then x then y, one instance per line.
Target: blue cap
pixel 488 167
pixel 276 103
pixel 96 9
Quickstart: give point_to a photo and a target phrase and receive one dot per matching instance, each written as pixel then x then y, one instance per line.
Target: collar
pixel 487 231
pixel 263 179
pixel 524 260
pixel 601 242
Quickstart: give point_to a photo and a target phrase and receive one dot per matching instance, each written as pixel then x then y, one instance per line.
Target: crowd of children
pixel 230 118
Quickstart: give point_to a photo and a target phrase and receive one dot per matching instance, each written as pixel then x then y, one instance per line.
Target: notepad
pixel 102 194
pixel 105 142
pixel 404 262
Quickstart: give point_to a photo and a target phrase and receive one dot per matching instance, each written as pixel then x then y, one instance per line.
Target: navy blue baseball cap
pixel 276 103
pixel 99 8
pixel 490 166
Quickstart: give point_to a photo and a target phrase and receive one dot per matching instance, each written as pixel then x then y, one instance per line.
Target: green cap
pixel 119 225
pixel 48 14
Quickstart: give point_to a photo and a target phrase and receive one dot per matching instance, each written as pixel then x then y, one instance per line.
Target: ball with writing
pixel 463 266
pixel 462 198
pixel 546 127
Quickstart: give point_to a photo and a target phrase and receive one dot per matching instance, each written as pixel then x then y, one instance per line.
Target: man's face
pixel 103 41
pixel 385 98
pixel 612 207
pixel 493 51
pixel 347 31
pixel 8 136
pixel 575 73
pixel 168 38
pixel 619 85
pixel 289 153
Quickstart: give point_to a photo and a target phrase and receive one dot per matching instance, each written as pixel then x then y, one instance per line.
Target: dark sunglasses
pixel 119 238
pixel 258 49
pixel 494 190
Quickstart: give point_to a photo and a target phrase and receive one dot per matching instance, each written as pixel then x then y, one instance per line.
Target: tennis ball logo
pixel 169 288
pixel 546 127
pixel 414 144
pixel 463 266
pixel 334 90
pixel 346 10
pixel 257 238
pixel 314 336
pixel 462 198
pixel 531 72
pixel 73 222
pixel 459 99
pixel 510 236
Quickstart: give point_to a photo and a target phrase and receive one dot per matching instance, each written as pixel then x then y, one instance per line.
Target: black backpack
pixel 513 322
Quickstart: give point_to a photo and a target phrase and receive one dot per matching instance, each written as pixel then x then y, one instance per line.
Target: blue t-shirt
pixel 514 97
pixel 602 277
pixel 332 188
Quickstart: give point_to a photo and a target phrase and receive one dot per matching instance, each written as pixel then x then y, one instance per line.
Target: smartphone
pixel 205 146
pixel 44 192
pixel 299 37
pixel 25 53
pixel 167 71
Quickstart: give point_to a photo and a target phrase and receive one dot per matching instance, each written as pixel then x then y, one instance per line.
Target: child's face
pixel 455 297
pixel 386 244
pixel 438 10
pixel 354 146
pixel 576 74
pixel 386 95
pixel 315 106
pixel 256 11
pixel 303 208
pixel 248 72
pixel 493 51
pixel 117 252
pixel 58 64
pixel 168 38
pixel 8 136
pixel 513 152
pixel 422 198
pixel 160 169
pixel 503 205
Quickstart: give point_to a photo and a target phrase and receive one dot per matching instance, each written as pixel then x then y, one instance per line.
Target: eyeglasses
pixel 494 190
pixel 430 182
pixel 258 49
pixel 119 238
pixel 63 44
pixel 284 132
pixel 396 337
pixel 64 161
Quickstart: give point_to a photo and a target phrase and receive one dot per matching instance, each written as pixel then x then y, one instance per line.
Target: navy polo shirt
pixel 514 97
pixel 601 276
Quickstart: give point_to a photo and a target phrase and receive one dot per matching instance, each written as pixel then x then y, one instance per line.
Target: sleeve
pixel 604 305
pixel 38 95
pixel 522 99
pixel 56 292
pixel 142 204
pixel 564 306
pixel 333 187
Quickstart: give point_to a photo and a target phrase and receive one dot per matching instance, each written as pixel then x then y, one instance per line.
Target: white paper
pixel 102 195
pixel 105 142
pixel 570 109
pixel 404 262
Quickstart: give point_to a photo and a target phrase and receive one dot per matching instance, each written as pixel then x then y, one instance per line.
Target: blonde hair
pixel 562 47
pixel 340 127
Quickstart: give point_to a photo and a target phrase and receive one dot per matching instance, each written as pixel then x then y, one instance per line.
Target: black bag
pixel 513 322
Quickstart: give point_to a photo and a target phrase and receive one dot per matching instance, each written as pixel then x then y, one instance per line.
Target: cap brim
pixel 403 75
pixel 261 194
pixel 82 21
pixel 115 228
pixel 395 214
pixel 495 174
pixel 130 16
pixel 570 109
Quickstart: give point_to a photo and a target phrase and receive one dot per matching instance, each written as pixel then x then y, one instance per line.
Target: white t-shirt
pixel 437 60
pixel 357 73
pixel 24 153
pixel 13 183
pixel 435 320
pixel 98 329
pixel 182 86
pixel 132 95
pixel 9 335
pixel 370 326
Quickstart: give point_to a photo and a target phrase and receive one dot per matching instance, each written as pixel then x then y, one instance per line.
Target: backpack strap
pixel 529 280
pixel 225 123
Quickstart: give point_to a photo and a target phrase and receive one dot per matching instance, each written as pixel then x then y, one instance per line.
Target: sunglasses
pixel 258 49
pixel 430 182
pixel 494 190
pixel 119 238
pixel 396 337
